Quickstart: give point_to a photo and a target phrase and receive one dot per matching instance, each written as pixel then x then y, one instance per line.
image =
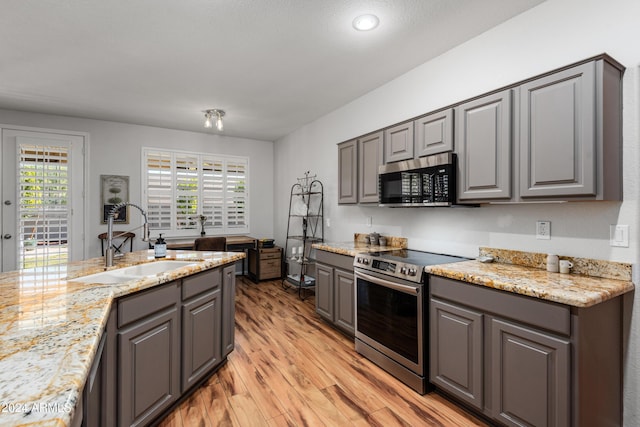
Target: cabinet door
pixel 324 291
pixel 228 309
pixel 483 142
pixel 456 351
pixel 398 143
pixel 348 172
pixel 530 376
pixel 201 340
pixel 434 133
pixel 557 134
pixel 149 368
pixel 369 159
pixel 93 399
pixel 344 302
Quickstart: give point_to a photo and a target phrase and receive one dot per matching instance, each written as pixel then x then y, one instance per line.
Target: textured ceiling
pixel 273 65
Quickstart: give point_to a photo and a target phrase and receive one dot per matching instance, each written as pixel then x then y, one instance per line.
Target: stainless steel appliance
pixel 427 181
pixel 391 311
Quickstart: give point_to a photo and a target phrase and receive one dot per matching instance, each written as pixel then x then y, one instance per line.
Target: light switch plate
pixel 619 235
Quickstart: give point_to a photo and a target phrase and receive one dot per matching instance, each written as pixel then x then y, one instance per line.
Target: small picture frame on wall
pixel 114 189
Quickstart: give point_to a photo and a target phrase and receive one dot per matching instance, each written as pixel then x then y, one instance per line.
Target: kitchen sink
pixel 134 272
pixel 152 268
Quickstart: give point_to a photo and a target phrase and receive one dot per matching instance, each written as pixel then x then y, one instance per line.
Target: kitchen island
pixel 51 327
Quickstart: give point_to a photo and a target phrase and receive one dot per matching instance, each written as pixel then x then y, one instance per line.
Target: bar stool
pixel 126 236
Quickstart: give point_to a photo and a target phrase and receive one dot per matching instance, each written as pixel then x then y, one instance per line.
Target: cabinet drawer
pixel 143 304
pixel 270 264
pixel 202 282
pixel 542 314
pixel 269 255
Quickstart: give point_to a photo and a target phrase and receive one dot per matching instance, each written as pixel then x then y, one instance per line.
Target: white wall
pixel 554 34
pixel 115 149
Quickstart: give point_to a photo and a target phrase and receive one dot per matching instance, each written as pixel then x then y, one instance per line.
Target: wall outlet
pixel 619 235
pixel 543 230
pixel 369 221
pixel 328 222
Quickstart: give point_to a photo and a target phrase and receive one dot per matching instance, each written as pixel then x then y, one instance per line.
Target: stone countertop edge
pixel 569 289
pixel 45 361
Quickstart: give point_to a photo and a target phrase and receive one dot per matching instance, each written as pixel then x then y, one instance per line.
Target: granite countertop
pixel 51 325
pixel 570 289
pixel 349 248
pixel 521 273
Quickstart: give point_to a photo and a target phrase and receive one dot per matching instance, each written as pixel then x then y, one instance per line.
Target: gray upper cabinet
pixel 398 143
pixel 348 172
pixel 434 133
pixel 484 143
pixel 369 159
pixel 565 136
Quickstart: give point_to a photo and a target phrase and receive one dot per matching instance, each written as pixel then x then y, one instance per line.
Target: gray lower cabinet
pixel 201 325
pixel 456 360
pixel 398 143
pixel 228 309
pixel 434 133
pixel 484 142
pixel 159 344
pixel 523 361
pixel 335 292
pixel 148 356
pixel 94 393
pixel 348 172
pixel 531 373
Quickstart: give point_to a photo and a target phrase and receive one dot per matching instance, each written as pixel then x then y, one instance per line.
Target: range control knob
pixel 359 260
pixel 403 270
pixel 365 261
pixel 412 272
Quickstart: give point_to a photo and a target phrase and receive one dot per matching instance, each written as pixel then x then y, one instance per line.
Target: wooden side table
pixel 265 263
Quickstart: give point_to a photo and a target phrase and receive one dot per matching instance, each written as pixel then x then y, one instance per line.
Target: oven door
pixel 389 317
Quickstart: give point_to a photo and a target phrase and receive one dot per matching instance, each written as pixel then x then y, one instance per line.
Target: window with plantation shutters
pixel 180 187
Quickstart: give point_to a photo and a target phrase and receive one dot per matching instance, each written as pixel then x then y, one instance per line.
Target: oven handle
pixel 388 284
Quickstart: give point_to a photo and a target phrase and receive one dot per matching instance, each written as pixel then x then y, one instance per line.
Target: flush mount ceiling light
pixel 366 22
pixel 211 115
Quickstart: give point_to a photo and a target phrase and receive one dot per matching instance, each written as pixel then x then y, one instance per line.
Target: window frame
pixel 226 194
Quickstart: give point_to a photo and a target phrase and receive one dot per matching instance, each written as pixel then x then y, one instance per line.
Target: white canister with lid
pixel 552 263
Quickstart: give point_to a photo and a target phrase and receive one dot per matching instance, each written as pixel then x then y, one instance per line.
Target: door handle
pixel 7 236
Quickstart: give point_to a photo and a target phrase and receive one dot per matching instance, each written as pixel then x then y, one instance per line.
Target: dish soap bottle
pixel 160 247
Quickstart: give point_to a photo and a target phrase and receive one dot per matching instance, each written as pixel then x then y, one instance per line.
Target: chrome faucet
pixel 109 254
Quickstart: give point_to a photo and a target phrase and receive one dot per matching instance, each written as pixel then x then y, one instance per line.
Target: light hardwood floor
pixel 289 368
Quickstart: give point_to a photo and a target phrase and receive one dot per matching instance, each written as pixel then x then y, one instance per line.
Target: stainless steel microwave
pixel 426 181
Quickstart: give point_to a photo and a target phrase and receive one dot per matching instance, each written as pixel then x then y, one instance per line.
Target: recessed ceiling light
pixel 366 22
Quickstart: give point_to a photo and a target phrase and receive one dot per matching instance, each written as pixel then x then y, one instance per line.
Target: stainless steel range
pixel 391 311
